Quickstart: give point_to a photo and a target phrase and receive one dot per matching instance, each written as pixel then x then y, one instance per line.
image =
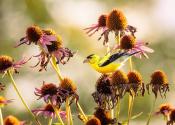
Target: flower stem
pixel 68 112
pixel 150 114
pixel 118 110
pixel 118 38
pixel 20 96
pixel 50 121
pixel 130 63
pixel 58 115
pixel 81 111
pixel 56 68
pixel 1 118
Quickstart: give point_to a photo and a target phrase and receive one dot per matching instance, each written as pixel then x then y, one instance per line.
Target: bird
pixel 108 64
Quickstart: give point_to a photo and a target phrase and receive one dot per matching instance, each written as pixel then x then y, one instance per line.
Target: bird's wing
pixel 116 56
pixel 104 59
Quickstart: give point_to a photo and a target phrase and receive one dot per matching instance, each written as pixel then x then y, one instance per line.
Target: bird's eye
pixel 90 56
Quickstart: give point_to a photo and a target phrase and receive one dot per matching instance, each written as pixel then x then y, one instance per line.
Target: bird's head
pixel 91 59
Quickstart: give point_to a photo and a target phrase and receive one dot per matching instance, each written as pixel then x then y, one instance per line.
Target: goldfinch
pixel 107 63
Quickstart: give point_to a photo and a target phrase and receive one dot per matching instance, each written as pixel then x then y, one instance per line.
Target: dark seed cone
pixel 34 33
pixel 165 109
pixel 54 46
pixel 135 80
pixel 11 120
pixel 116 20
pixel 5 63
pixel 49 88
pixel 102 20
pixel 104 116
pixel 93 121
pixel 68 85
pixel 49 108
pixel 127 42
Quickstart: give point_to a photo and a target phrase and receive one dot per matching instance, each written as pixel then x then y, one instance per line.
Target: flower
pixel 120 81
pixel 4 101
pixel 68 89
pixel 104 116
pixel 171 120
pixel 136 83
pixel 7 62
pixel 48 92
pixel 96 27
pixel 128 43
pixel 165 109
pixel 48 111
pixel 159 83
pixel 105 95
pixel 93 121
pixel 34 34
pixel 12 120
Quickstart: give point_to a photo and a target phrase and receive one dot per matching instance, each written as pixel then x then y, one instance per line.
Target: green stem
pixel 118 110
pixel 58 115
pixel 130 63
pixel 56 68
pixel 50 121
pixel 150 114
pixel 130 107
pixel 81 111
pixel 1 118
pixel 68 112
pixel 118 38
pixel 20 96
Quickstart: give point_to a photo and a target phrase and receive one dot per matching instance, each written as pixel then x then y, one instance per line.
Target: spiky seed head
pixel 102 20
pixel 165 108
pixel 134 77
pixel 68 85
pixel 127 42
pixel 49 108
pixel 119 77
pixel 5 63
pixel 54 46
pixel 159 78
pixel 49 88
pixel 103 84
pixel 34 33
pixel 93 121
pixel 11 120
pixel 116 20
pixel 103 115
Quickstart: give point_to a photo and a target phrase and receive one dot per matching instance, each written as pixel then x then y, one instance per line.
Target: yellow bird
pixel 107 63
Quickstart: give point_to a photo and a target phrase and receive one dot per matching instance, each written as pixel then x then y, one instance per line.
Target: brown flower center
pixel 49 108
pixel 102 20
pixel 134 77
pixel 5 63
pixel 49 88
pixel 159 78
pixel 11 120
pixel 93 121
pixel 116 20
pixel 68 85
pixel 34 33
pixel 127 42
pixel 119 77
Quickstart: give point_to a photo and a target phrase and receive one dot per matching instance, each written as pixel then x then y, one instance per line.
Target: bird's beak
pixel 86 61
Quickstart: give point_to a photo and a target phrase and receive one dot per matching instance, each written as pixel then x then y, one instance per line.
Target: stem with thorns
pixel 20 96
pixel 150 114
pixel 1 118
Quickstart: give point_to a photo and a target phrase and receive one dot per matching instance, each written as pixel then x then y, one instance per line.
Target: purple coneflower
pixel 48 111
pixel 7 62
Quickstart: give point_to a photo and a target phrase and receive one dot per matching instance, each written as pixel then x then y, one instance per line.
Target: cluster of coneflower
pixel 110 87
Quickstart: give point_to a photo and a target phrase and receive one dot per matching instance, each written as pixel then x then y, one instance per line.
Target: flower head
pixel 165 109
pixel 105 95
pixel 159 83
pixel 104 116
pixel 96 27
pixel 127 42
pixel 136 83
pixel 4 101
pixel 7 62
pixel 116 20
pixel 11 120
pixel 48 111
pixel 93 121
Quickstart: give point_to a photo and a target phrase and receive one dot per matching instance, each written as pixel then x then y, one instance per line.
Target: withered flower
pixel 105 95
pixel 7 62
pixel 171 120
pixel 159 83
pixel 96 27
pixel 68 89
pixel 104 116
pixel 48 111
pixel 93 121
pixel 136 83
pixel 12 120
pixel 4 101
pixel 120 81
pixel 164 109
pixel 131 45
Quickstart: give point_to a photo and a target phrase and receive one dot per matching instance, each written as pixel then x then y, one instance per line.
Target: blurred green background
pixel 154 20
